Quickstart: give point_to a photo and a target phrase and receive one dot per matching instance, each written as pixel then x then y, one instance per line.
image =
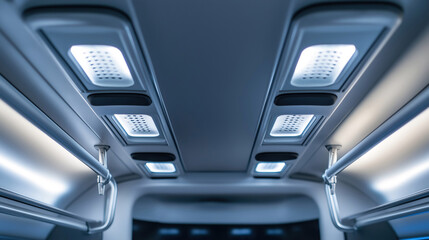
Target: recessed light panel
pixel 291 125
pixel 160 167
pixel 137 125
pixel 270 167
pixel 105 66
pixel 320 65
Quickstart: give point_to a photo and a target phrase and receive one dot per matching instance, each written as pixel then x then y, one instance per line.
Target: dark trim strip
pixel 112 99
pixel 276 156
pixel 316 99
pixel 153 157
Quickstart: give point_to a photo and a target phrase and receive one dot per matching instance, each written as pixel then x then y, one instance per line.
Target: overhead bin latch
pixel 102 158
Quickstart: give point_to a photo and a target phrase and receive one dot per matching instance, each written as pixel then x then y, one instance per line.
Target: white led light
pixel 291 125
pixel 105 66
pixel 160 167
pixel 137 125
pixel 320 65
pixel 270 167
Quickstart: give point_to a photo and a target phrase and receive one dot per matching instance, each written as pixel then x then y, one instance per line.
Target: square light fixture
pixel 137 125
pixel 320 65
pixel 270 167
pixel 291 125
pixel 160 167
pixel 105 66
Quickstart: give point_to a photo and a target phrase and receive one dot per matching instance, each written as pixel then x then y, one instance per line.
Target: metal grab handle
pixel 60 217
pixel 109 214
pixel 66 219
pixel 43 212
pixel 330 190
pixel 416 106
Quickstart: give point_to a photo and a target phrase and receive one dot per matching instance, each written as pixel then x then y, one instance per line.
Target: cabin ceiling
pixel 212 71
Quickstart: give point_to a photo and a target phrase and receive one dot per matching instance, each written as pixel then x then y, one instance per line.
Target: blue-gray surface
pixel 213 63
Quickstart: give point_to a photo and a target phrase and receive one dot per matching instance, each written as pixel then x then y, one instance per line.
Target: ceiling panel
pixel 213 63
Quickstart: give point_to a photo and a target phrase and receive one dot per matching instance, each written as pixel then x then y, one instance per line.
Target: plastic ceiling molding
pixel 105 66
pixel 68 32
pixel 326 48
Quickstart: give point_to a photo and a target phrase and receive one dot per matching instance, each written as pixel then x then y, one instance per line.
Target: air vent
pixel 154 157
pixel 137 125
pixel 291 125
pixel 276 156
pixel 305 99
pixel 270 167
pixel 124 99
pixel 160 167
pixel 320 65
pixel 105 66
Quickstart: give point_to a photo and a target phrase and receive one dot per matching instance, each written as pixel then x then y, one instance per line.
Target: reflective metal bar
pixel 404 115
pixel 44 212
pixel 330 191
pixel 43 217
pixel 64 218
pixel 21 104
pixel 384 212
pixel 37 204
pixel 109 213
pixel 390 214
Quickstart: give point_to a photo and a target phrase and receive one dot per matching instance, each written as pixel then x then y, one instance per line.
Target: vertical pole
pixel 330 187
pixel 102 158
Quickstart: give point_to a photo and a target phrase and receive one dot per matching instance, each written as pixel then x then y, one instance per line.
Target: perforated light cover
pixel 291 125
pixel 160 167
pixel 105 66
pixel 270 167
pixel 320 65
pixel 137 125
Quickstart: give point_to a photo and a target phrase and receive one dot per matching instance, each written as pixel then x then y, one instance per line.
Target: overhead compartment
pixel 326 49
pixel 102 55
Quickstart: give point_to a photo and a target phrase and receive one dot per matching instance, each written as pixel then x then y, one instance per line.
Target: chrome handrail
pixel 48 214
pixel 33 209
pixel 399 119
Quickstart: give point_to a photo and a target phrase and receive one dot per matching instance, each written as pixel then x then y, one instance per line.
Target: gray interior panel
pixel 213 73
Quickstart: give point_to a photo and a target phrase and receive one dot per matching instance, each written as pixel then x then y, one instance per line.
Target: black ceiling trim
pixel 111 99
pixel 153 156
pixel 276 156
pixel 304 99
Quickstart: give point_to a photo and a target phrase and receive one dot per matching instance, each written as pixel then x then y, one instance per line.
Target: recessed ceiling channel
pixel 325 48
pixel 103 58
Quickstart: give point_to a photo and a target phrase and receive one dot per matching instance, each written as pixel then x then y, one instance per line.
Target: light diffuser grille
pixel 270 167
pixel 137 125
pixel 161 167
pixel 320 65
pixel 105 66
pixel 291 125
